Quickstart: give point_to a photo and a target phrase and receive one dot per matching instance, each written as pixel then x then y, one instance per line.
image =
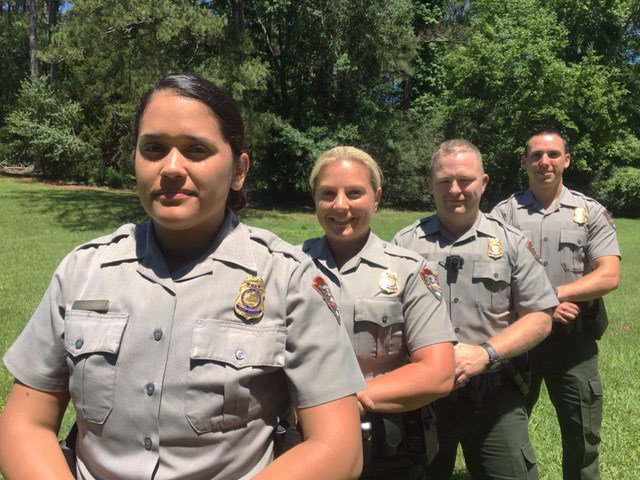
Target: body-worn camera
pixel 454 262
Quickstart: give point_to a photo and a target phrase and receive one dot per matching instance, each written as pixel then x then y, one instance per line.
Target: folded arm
pixel 29 426
pixel 332 446
pixel 428 377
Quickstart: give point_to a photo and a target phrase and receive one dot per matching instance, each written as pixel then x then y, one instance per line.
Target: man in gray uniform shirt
pixel 499 300
pixel 577 241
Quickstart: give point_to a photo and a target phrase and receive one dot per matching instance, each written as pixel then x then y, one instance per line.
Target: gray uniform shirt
pixel 499 280
pixel 569 236
pixel 166 379
pixel 385 305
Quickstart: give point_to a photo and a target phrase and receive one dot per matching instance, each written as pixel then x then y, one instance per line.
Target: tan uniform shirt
pixel 167 380
pixel 499 280
pixel 569 236
pixel 385 305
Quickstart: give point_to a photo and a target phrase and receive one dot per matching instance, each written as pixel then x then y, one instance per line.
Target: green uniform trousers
pixel 568 364
pixel 413 472
pixel 493 434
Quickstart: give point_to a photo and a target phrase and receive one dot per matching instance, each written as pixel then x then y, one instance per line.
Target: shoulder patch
pixel 533 252
pixel 431 281
pixel 320 285
pixel 608 218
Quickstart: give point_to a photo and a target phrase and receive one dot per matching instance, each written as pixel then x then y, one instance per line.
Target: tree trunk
pixel 51 23
pixel 33 39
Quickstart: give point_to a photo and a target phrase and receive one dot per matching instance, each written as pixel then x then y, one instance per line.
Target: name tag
pixel 100 306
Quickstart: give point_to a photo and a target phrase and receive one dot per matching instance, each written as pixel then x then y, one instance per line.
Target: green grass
pixel 40 223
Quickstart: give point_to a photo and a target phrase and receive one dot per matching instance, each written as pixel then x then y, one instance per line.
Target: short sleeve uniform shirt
pixel 491 277
pixel 572 233
pixel 183 374
pixel 384 303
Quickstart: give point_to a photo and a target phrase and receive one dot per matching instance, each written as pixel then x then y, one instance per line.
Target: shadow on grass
pixel 82 210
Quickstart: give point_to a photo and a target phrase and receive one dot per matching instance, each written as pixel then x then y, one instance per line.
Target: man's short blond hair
pixel 453 147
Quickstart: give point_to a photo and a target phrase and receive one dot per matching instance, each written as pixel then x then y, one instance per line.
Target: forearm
pixel 332 449
pixel 30 452
pixel 311 460
pixel 522 335
pixel 519 337
pixel 603 278
pixel 408 387
pixel 28 427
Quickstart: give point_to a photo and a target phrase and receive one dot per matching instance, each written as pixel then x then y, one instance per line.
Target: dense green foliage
pixel 621 191
pixel 394 77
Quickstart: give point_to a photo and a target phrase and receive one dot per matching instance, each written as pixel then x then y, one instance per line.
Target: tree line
pixel 394 77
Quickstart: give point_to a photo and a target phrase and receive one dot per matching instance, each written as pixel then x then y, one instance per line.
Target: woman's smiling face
pixel 345 202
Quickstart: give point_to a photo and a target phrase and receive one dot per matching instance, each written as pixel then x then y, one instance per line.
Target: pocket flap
pixel 239 345
pixel 497 272
pixel 573 236
pixel 382 311
pixel 92 332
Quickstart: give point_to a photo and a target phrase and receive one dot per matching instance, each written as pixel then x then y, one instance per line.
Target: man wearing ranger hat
pixel 577 242
pixel 499 301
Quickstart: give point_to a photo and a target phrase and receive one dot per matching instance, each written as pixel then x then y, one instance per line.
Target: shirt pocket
pixel 572 249
pixel 379 334
pixel 92 341
pixel 230 369
pixel 492 286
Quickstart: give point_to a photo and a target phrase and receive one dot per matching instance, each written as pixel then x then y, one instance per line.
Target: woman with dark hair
pixel 391 306
pixel 182 341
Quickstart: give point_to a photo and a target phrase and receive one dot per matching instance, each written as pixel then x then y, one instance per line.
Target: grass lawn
pixel 41 223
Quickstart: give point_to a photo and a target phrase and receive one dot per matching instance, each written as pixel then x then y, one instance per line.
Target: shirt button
pixel 150 387
pixel 456 300
pixel 148 443
pixel 240 355
pixel 385 319
pixel 545 263
pixel 457 330
pixel 546 239
pixel 79 343
pixel 495 275
pixel 157 334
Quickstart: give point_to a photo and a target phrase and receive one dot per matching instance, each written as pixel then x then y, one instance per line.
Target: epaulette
pixel 401 252
pixel 415 225
pixel 275 244
pixel 515 195
pixel 124 231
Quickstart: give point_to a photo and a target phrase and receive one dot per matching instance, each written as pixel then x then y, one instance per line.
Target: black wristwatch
pixel 494 359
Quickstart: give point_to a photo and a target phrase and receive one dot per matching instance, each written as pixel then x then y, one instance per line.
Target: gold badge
pixel 580 216
pixel 389 282
pixel 250 302
pixel 494 249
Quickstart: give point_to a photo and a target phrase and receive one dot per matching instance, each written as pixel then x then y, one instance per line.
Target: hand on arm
pixel 519 337
pixel 29 426
pixel 428 377
pixel 332 446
